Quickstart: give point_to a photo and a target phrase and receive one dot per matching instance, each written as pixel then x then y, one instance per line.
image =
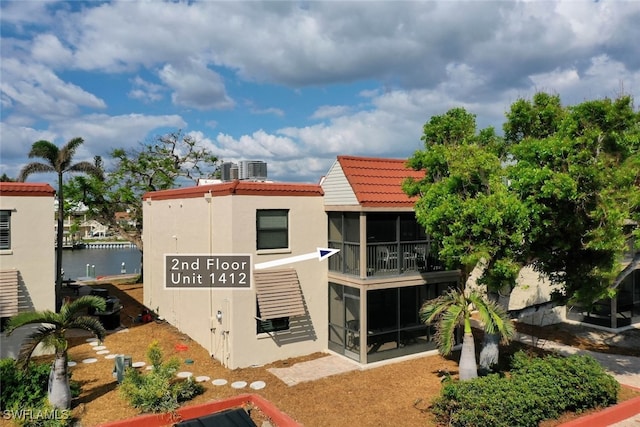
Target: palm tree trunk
pixel 490 353
pixel 468 367
pixel 59 242
pixel 59 391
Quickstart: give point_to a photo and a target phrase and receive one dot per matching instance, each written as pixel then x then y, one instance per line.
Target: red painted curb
pixel 279 418
pixel 608 416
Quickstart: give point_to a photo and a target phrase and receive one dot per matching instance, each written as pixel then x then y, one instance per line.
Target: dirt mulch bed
pixel 395 394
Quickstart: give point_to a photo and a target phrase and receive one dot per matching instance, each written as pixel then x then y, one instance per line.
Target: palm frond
pixel 45 150
pixel 43 334
pixel 31 317
pixel 494 318
pixel 88 168
pixel 69 310
pixel 66 153
pixel 32 168
pixel 90 324
pixel 431 310
pixel 450 319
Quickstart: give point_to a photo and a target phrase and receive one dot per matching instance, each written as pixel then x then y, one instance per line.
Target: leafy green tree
pixel 581 183
pixel 453 309
pixel 59 161
pixel 554 193
pixel 465 201
pixel 52 333
pixel 167 161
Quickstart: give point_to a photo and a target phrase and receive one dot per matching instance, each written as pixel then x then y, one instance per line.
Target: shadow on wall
pixel 300 329
pixel 11 345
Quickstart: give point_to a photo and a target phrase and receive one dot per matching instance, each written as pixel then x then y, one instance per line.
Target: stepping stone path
pixel 102 350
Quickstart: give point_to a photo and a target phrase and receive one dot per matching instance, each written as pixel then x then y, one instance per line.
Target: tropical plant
pixel 452 310
pixel 557 193
pixel 52 333
pixel 158 390
pixel 59 161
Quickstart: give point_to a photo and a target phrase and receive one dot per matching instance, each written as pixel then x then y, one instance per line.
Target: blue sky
pixel 294 83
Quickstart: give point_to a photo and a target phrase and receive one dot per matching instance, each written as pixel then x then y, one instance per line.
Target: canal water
pixel 106 261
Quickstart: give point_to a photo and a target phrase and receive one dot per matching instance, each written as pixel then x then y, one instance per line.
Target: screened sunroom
pixel 387 266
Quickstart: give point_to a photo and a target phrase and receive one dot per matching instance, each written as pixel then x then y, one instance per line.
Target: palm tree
pixel 454 309
pixel 58 160
pixel 52 333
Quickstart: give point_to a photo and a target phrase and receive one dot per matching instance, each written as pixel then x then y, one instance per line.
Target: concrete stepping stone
pixel 90 360
pixel 202 378
pixel 219 382
pixel 239 384
pixel 99 347
pixel 110 356
pixel 184 374
pixel 258 385
pixel 138 364
pixel 71 363
pixel 103 352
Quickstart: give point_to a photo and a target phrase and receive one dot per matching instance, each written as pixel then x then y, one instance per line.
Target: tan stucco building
pixel 27 255
pixel 277 317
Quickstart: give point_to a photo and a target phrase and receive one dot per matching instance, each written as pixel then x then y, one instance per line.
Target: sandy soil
pixel 396 394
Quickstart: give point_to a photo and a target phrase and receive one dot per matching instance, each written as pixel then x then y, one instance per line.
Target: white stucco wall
pixel 32 253
pixel 227 225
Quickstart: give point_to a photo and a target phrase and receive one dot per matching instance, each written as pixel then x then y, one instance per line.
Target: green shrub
pixel 538 389
pixel 22 388
pixel 23 395
pixel 158 390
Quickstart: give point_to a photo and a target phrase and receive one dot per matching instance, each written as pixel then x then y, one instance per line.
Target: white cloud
pixel 327 111
pixel 38 90
pixel 259 145
pixel 418 59
pixel 145 91
pixel 47 49
pixel 195 86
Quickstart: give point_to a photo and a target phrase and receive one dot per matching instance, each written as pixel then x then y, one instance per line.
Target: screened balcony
pixel 395 245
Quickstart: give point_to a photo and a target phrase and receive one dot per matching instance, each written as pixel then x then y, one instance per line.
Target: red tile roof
pixel 26 189
pixel 377 182
pixel 242 188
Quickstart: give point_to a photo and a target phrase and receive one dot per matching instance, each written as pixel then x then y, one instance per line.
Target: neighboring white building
pixel 252 169
pixel 27 255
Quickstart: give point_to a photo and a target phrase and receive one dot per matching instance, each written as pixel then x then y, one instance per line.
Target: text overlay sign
pixel 207 271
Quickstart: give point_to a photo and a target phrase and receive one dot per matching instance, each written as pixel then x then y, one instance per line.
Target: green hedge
pixel 23 396
pixel 22 388
pixel 538 389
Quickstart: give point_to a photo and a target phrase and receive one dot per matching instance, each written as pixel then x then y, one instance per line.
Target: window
pixel 5 229
pixel 272 229
pixel 271 325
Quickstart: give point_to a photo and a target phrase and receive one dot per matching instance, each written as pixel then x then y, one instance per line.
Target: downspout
pixel 212 330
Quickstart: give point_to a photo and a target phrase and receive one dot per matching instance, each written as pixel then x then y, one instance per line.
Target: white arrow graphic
pixel 321 254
